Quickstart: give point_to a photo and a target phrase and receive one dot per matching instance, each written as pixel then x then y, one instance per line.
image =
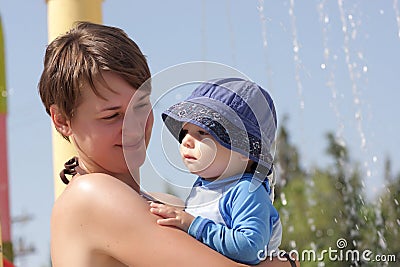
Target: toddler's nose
pixel 188 141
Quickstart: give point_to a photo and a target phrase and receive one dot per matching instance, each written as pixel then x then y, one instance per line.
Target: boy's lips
pixel 189 157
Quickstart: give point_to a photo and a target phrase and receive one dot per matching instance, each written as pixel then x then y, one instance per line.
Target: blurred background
pixel 330 67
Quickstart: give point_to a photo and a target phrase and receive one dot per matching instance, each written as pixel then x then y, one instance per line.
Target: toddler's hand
pixel 172 216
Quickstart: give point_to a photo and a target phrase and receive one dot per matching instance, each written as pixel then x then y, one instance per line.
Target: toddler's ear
pixel 60 121
pixel 246 159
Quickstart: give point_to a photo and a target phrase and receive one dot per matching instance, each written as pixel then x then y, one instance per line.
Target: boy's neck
pixel 224 176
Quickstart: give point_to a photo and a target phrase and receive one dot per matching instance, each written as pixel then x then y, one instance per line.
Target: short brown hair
pixel 78 57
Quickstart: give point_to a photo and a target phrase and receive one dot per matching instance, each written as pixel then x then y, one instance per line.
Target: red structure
pixel 4 195
pixel 6 263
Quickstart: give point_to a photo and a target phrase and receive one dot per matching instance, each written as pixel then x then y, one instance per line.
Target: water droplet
pixel 338 185
pixel 363 142
pixel 354 34
pixel 369 173
pixel 396 202
pixel 283 198
pixel 350 17
pixel 4 93
pixel 318 233
pixel 323 66
pixel 296 49
pixel 292 243
pixel 365 69
pixel 381 12
pixel 374 158
pixel 301 104
pixel 326 19
pixel 382 241
pixel 398 221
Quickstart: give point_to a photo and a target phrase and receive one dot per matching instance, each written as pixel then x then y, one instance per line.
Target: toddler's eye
pixel 182 135
pixel 203 133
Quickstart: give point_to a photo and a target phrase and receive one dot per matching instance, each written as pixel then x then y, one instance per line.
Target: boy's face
pixel 97 126
pixel 205 157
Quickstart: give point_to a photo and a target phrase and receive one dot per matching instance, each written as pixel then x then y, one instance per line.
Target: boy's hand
pixel 172 216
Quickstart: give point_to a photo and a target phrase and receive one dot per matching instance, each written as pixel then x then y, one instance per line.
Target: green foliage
pixel 8 251
pixel 390 217
pixel 324 205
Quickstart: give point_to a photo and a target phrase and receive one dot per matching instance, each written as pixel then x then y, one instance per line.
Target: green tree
pixel 322 205
pixel 389 210
pixel 347 178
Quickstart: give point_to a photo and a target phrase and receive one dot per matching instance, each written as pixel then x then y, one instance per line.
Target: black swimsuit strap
pixel 69 169
pixel 290 260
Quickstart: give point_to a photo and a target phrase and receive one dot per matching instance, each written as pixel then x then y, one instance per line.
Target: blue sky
pixel 323 77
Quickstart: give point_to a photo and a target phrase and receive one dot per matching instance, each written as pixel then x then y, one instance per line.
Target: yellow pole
pixel 61 15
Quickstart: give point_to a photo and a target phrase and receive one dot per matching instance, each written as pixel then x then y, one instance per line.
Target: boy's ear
pixel 244 158
pixel 60 121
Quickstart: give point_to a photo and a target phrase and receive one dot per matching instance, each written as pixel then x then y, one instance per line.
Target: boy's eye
pixel 203 132
pixel 182 135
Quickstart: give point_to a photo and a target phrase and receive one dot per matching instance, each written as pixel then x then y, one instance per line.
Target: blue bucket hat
pixel 238 113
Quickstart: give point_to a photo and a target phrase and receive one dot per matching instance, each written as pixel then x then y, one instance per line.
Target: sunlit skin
pixel 101 218
pixel 205 157
pixel 98 205
pixel 96 127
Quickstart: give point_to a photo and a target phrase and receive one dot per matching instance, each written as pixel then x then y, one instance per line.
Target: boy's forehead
pixel 189 124
pixel 192 126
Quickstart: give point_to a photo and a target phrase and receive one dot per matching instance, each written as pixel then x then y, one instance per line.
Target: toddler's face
pixel 205 157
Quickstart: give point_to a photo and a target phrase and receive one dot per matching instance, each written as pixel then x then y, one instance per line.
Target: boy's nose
pixel 188 141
